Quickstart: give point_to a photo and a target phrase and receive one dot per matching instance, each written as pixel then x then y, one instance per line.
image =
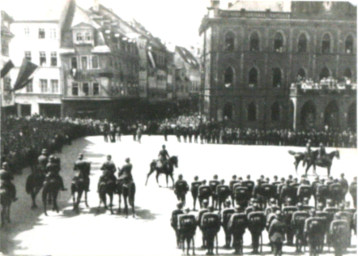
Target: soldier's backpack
pixel 210 221
pixel 325 217
pixel 287 212
pixel 226 215
pixel 174 219
pixel 241 193
pixel 213 184
pixel 298 220
pixel 267 190
pixel 204 192
pixel 335 190
pixel 223 191
pixel 181 186
pixel 249 184
pixel 269 218
pixel 322 190
pixel 187 224
pixel 305 191
pixel 195 187
pixel 315 228
pixel 340 233
pixel 237 223
pixel 256 220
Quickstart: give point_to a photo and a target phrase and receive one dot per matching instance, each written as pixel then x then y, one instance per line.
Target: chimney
pixel 230 4
pixel 96 5
pixel 215 4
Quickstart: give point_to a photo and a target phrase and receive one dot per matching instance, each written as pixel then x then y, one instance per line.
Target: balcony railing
pixel 251 14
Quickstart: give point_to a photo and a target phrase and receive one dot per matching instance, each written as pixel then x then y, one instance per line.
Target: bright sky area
pixel 174 21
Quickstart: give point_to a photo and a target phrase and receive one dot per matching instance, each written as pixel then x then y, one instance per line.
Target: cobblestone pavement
pixel 94 232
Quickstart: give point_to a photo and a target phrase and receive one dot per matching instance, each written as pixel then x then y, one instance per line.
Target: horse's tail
pixel 292 152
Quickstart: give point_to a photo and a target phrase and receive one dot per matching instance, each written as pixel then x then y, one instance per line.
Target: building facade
pixel 253 52
pixel 37 38
pixel 7 96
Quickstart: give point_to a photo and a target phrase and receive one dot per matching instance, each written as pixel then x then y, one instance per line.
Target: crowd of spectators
pixel 194 129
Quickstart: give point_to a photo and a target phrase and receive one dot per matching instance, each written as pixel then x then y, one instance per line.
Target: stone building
pixel 100 64
pixel 37 37
pixel 258 54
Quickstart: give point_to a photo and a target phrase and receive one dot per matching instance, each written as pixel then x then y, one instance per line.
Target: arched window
pixel 228 111
pixel 275 112
pixel 251 112
pixel 302 43
pixel 229 77
pixel 276 77
pixel 324 73
pixel 254 42
pixel 326 43
pixel 278 42
pixel 301 75
pixel 347 73
pixel 349 44
pixel 253 77
pixel 229 41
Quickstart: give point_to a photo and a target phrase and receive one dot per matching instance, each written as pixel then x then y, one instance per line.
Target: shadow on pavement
pixel 23 218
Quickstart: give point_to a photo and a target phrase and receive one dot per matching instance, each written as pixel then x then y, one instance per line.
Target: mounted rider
pixel 321 152
pixel 42 161
pixel 125 174
pixel 52 169
pixel 83 169
pixel 108 168
pixel 163 156
pixel 5 180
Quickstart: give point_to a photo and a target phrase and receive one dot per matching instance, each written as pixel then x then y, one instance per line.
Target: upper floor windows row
pixel 43 60
pixel 279 44
pixel 41 33
pixel 85 62
pixel 83 37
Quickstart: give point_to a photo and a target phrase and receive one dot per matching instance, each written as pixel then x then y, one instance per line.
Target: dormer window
pixel 88 37
pixel 79 37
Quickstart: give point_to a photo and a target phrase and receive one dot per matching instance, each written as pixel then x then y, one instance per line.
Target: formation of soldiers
pixel 195 129
pixel 281 207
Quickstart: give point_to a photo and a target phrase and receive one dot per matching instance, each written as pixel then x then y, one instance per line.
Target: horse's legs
pixel 157 178
pixel 150 172
pixel 166 177
pixel 3 216
pixel 86 201
pixel 328 170
pixel 171 176
pixel 44 201
pixel 111 202
pixel 79 196
pixel 119 202
pixel 125 204
pixel 73 199
pixel 55 206
pixel 8 213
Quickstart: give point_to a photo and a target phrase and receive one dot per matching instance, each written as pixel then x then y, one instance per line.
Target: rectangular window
pixel 29 87
pixel 79 37
pixel 41 33
pixel 54 85
pixel 53 59
pixel 28 55
pixel 84 62
pixel 85 89
pixel 27 31
pixel 53 33
pixel 94 61
pixel 42 58
pixel 74 62
pixel 43 83
pixel 95 88
pixel 75 89
pixel 88 37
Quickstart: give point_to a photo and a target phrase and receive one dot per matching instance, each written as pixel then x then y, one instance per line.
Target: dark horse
pixel 79 185
pixel 325 162
pixel 127 190
pixel 106 188
pixel 5 201
pixel 50 192
pixel 314 161
pixel 166 169
pixel 34 183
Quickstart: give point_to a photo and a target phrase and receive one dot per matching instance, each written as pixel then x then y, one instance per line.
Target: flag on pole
pixel 7 67
pixel 26 70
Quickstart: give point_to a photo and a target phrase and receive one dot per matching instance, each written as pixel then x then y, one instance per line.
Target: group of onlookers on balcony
pixel 328 83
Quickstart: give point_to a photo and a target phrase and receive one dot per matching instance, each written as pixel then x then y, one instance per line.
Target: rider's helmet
pixel 163 147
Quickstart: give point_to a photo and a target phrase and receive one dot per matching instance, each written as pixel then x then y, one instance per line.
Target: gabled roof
pixel 82 18
pixel 187 56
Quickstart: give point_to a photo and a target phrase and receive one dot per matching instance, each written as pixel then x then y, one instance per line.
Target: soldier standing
pixel 314 231
pixel 204 209
pixel 353 191
pixel 204 193
pixel 174 221
pixel 222 192
pixel 298 223
pixel 186 229
pixel 210 225
pixel 181 188
pixel 225 217
pixel 276 233
pixel 256 224
pixel 213 185
pixel 339 235
pixel 236 226
pixel 195 190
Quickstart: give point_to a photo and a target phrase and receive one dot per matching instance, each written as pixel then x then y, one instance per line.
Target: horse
pixel 299 156
pixel 325 162
pixel 50 192
pixel 106 188
pixel 34 183
pixel 79 185
pixel 127 190
pixel 6 199
pixel 167 169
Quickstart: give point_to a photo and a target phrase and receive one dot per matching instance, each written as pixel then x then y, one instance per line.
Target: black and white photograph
pixel 178 127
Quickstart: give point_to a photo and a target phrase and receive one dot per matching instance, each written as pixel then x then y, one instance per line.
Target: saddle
pixel 162 163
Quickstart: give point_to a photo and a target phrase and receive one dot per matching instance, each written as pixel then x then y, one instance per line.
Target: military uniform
pixel 256 224
pixel 180 189
pixel 236 226
pixel 213 185
pixel 276 233
pixel 225 217
pixel 339 235
pixel 174 223
pixel 288 212
pixel 204 193
pixel 297 224
pixel 186 229
pixel 6 182
pixel 314 232
pixel 195 191
pixel 222 192
pixel 210 225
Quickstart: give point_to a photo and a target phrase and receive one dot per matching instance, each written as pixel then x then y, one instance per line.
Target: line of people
pixel 280 207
